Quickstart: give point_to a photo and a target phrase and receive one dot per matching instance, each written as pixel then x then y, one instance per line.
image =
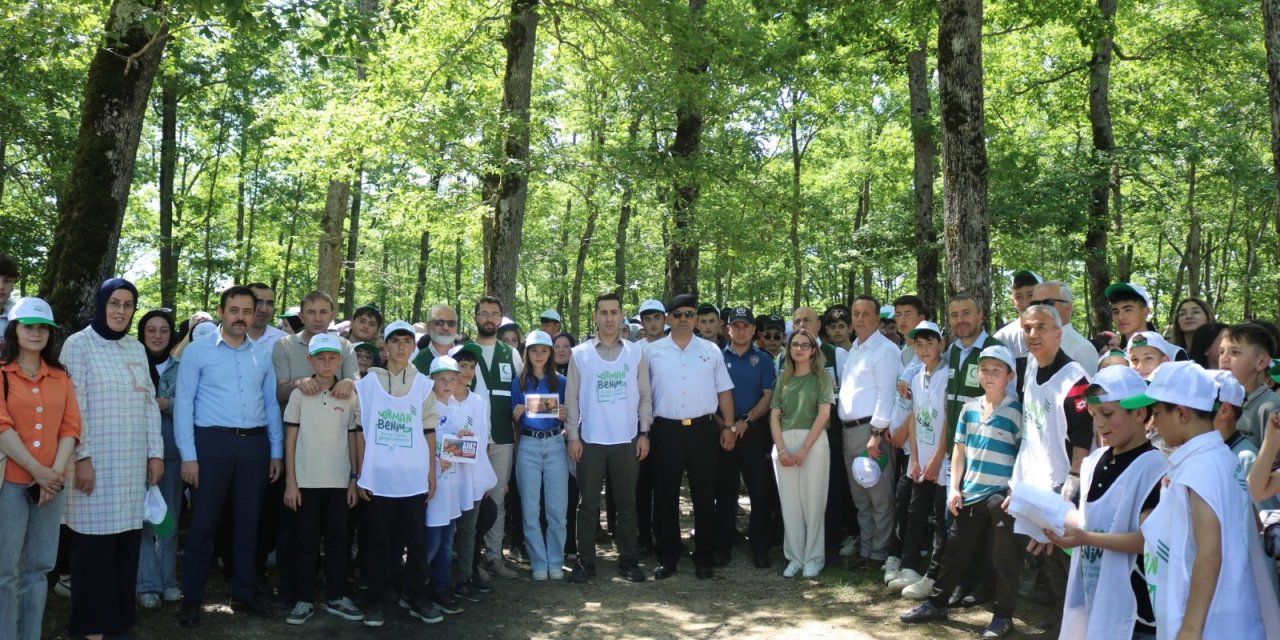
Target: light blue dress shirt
pixel 223 386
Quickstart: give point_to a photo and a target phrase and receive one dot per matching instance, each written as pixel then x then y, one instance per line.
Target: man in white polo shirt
pixel 868 385
pixel 689 382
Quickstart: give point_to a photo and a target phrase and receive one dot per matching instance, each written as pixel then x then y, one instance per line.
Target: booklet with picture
pixel 539 405
pixel 460 449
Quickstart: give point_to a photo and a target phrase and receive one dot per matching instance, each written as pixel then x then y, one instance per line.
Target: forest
pixel 772 153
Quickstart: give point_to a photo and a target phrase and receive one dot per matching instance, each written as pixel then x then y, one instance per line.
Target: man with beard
pixel 499 365
pixel 261 331
pixel 442 334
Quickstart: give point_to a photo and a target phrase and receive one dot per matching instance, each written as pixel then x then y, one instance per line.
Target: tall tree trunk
pixel 864 214
pixel 288 251
pixel 682 257
pixel 1271 30
pixel 1124 252
pixel 353 244
pixel 457 277
pixel 329 266
pixel 209 209
pixel 1104 146
pixel 4 169
pixel 797 264
pixel 169 248
pixel 584 247
pixel 624 216
pixel 246 257
pixel 964 149
pixel 420 288
pixel 92 203
pixel 502 249
pixel 1191 256
pixel 241 189
pixel 924 154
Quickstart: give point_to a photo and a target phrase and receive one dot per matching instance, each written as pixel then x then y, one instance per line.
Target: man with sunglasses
pixel 442 334
pixel 1057 294
pixel 689 382
pixel 773 330
pixel 1021 291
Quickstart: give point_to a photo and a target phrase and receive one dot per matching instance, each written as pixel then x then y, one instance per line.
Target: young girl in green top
pixel 801 406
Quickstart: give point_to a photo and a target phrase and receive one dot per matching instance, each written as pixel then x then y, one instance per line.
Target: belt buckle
pixel 687 422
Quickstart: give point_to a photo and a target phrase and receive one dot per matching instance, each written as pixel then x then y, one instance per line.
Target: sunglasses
pixel 772 335
pixel 1049 302
pixel 445 323
pixel 679 315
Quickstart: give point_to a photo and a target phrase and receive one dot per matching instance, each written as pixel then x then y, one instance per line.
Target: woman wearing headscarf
pixel 121 453
pixel 158 559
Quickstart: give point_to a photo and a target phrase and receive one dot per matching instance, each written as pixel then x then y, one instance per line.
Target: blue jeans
pixel 28 549
pixel 158 559
pixel 542 469
pixel 440 558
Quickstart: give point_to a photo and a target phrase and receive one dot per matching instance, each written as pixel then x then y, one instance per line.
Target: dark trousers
pixel 571 518
pixel 728 479
pixel 756 465
pixel 384 517
pixel 916 530
pixel 278 531
pixel 939 522
pixel 231 468
pixel 965 537
pixel 644 502
pixel 486 515
pixel 676 450
pixel 104 574
pixel 841 517
pixel 901 507
pixel 322 510
pixel 618 463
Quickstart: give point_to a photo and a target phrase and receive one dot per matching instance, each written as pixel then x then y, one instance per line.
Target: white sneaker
pixel 63 586
pixel 556 574
pixel 920 590
pixel 149 600
pixel 172 594
pixel 892 568
pixel 792 569
pixel 301 613
pixel 849 548
pixel 906 578
pixel 812 571
pixel 539 576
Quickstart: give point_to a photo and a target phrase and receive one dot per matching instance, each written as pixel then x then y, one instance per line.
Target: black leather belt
pixel 857 423
pixel 537 434
pixel 685 422
pixel 249 431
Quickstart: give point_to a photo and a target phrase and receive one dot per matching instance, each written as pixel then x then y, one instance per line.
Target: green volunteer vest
pixel 963 385
pixel 502 430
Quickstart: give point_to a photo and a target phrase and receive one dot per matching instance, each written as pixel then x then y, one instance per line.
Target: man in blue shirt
pixel 225 415
pixel 752 372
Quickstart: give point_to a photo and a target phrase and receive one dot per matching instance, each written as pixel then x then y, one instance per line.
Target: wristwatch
pixel 877 433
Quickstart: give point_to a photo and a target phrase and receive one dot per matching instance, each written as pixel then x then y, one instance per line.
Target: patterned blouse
pixel 121 430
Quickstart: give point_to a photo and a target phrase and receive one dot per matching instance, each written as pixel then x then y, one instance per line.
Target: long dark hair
pixel 12 352
pixel 562 369
pixel 1201 340
pixel 528 379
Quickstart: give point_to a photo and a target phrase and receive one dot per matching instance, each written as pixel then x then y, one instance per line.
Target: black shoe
pixel 582 572
pixel 924 613
pixel 722 559
pixel 482 585
pixel 258 607
pixel 761 561
pixel 467 591
pixel 189 616
pixel 704 573
pixel 447 604
pixel 630 570
pixel 664 571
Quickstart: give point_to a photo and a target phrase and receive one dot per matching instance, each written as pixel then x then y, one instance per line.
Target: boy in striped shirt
pixel 988 435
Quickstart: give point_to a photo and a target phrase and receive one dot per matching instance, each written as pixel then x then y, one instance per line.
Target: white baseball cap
pixel 1129 287
pixel 537 337
pixel 444 363
pixel 551 315
pixel 886 312
pixel 652 305
pixel 32 311
pixel 324 342
pixel 1152 339
pixel 998 352
pixel 398 326
pixel 1116 384
pixel 1230 391
pixel 1182 383
pixel 924 325
pixel 866 472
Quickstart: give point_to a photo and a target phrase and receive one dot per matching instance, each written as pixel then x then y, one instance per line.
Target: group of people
pixel 425 464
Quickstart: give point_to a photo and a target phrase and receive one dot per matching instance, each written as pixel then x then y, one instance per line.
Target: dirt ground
pixel 740 602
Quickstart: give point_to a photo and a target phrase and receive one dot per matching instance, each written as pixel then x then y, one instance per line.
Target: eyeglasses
pixel 120 306
pixel 801 346
pixel 1049 302
pixel 488 314
pixel 771 336
pixel 445 323
pixel 683 314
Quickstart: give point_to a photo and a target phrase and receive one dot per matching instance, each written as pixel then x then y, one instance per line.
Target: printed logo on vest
pixel 393 428
pixel 611 386
pixel 504 372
